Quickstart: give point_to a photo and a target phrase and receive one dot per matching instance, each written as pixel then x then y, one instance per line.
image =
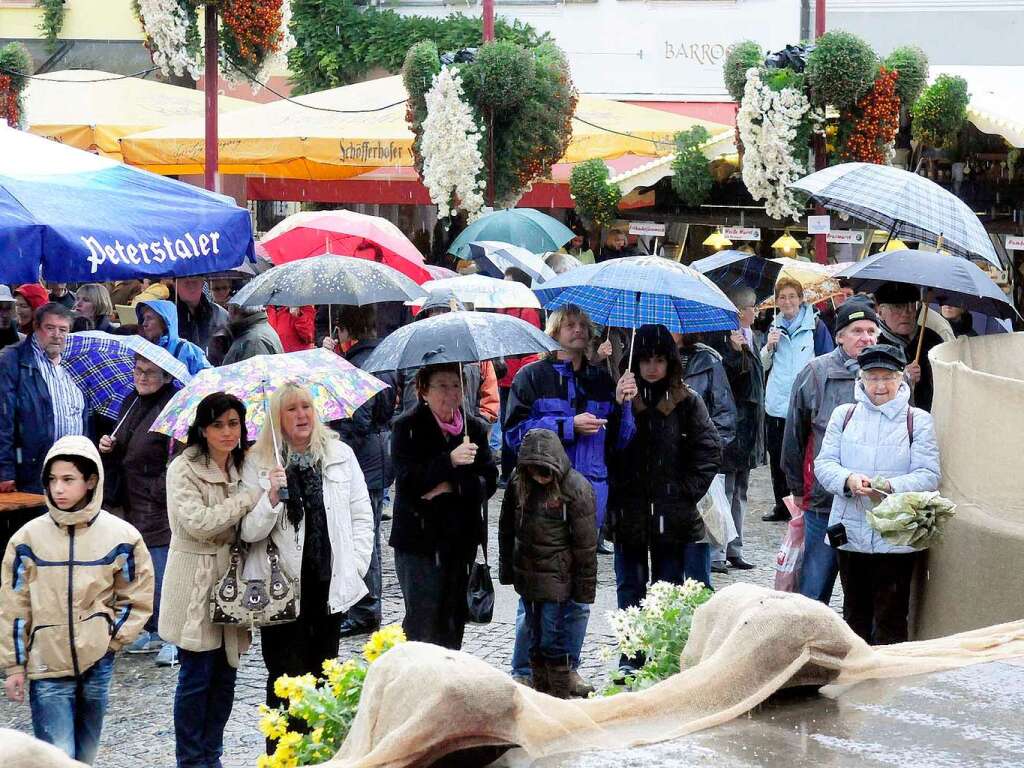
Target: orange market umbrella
pixel 345 233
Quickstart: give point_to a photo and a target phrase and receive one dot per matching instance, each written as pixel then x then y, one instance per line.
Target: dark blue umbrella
pixel 733 269
pixel 458 337
pixel 83 218
pixel 642 290
pixel 943 278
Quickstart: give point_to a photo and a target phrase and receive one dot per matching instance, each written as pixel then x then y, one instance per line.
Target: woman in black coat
pixel 657 482
pixel 442 482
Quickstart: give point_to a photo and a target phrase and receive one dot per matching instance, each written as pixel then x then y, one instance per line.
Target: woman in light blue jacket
pixel 795 337
pixel 880 435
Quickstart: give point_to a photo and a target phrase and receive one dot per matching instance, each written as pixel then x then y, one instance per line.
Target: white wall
pixel 662 50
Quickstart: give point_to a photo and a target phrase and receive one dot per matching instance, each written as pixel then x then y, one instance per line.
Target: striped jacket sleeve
pixel 15 609
pixel 134 582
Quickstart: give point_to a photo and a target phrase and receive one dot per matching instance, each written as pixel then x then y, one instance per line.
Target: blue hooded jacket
pixel 187 352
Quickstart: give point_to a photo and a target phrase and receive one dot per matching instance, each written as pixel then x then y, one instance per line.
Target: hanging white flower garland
pixel 167 24
pixel 769 122
pixel 452 161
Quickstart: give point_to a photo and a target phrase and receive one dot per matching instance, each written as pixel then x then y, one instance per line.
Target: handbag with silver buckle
pixel 255 602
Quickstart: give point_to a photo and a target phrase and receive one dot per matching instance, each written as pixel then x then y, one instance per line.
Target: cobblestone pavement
pixel 139 727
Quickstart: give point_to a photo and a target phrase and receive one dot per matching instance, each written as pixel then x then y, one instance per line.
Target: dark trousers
pixel 303 645
pixel 774 429
pixel 202 706
pixel 508 456
pixel 434 590
pixel 367 611
pixel 876 594
pixel 670 562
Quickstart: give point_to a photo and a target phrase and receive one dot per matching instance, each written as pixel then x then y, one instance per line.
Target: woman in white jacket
pixel 880 435
pixel 323 531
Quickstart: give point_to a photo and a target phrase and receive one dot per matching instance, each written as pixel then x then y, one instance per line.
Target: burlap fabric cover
pixel 979 421
pixel 19 750
pixel 421 701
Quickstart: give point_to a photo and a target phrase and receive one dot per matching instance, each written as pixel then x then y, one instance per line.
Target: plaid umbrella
pixel 337 386
pixel 732 269
pixel 902 203
pixel 643 290
pixel 101 364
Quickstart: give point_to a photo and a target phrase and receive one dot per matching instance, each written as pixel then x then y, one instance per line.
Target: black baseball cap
pixel 882 356
pixel 851 311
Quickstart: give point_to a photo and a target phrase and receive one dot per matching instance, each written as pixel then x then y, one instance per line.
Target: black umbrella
pixel 327 279
pixel 733 269
pixel 458 337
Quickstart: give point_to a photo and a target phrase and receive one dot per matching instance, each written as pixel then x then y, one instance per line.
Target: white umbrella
pixel 495 257
pixel 483 292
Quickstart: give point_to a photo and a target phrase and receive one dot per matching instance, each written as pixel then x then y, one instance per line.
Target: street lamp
pixel 717 240
pixel 788 244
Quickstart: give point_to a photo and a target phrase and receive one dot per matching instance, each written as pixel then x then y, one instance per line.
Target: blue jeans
pixel 576 619
pixel 68 712
pixel 670 562
pixel 548 626
pixel 820 566
pixel 202 706
pixel 159 555
pixel 368 610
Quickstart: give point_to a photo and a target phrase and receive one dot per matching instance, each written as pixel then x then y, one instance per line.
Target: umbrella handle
pixel 920 335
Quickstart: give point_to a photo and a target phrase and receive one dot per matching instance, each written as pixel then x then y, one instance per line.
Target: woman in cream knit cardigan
pixel 205 503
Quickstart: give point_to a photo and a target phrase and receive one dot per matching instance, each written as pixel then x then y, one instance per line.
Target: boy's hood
pixel 541 447
pixel 75 445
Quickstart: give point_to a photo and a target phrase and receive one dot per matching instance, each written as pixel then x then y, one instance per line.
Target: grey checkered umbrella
pixel 905 204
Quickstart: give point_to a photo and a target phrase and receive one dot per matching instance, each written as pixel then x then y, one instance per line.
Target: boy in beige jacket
pixel 76 585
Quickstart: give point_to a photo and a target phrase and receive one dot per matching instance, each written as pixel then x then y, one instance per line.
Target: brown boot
pixel 540 669
pixel 559 676
pixel 578 687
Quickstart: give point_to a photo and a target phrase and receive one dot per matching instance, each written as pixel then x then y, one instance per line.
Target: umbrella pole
pixel 632 341
pixel 273 431
pixel 920 333
pixel 891 235
pixel 465 407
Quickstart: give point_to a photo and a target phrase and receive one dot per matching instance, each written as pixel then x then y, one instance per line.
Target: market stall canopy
pixel 997 99
pixel 343 132
pixel 721 143
pixel 91 109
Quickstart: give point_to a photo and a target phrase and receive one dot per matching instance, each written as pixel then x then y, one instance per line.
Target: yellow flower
pixel 273 724
pixel 293 688
pixel 317 735
pixel 382 641
pixel 290 740
pixel 336 673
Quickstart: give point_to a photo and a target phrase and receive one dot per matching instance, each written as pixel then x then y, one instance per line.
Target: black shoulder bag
pixel 480 591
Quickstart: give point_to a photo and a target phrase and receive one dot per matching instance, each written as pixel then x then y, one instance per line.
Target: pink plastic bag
pixel 791 551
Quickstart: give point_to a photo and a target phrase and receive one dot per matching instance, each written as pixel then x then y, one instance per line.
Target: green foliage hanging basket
pixel 840 69
pixel 940 112
pixel 595 198
pixel 912 64
pixel 691 177
pixel 740 58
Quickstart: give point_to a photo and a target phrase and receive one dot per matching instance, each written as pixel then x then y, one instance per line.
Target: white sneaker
pixel 146 642
pixel 168 656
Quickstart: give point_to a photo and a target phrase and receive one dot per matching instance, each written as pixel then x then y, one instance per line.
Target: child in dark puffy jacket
pixel 547 538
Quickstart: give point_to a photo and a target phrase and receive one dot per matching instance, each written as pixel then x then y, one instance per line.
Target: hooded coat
pixel 252 336
pixel 706 376
pixel 547 547
pixel 806 339
pixel 746 379
pixel 203 324
pixel 75 585
pixel 669 465
pixel 191 355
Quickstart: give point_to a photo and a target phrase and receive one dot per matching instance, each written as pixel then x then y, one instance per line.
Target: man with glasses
pixel 825 383
pixel 40 403
pixel 899 309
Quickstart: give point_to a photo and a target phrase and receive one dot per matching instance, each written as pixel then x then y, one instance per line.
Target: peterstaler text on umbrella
pixel 152 252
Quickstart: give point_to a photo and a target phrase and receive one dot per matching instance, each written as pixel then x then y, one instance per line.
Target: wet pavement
pixel 139 727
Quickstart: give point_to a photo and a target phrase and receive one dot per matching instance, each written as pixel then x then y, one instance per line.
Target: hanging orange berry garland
pixel 250 32
pixel 876 119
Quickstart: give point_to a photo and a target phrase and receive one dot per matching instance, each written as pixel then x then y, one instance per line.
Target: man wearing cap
pixel 826 382
pixel 899 308
pixel 8 328
pixel 880 435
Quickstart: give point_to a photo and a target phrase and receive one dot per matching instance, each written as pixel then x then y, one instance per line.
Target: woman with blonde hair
pixel 92 301
pixel 322 528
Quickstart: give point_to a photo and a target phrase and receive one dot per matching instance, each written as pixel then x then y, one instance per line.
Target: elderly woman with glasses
pixel 877 445
pixel 135 461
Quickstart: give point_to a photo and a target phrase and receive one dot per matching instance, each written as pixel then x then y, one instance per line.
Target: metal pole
pixel 820 160
pixel 488 12
pixel 212 82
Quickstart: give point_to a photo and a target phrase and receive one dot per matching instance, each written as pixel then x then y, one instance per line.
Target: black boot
pixel 539 667
pixel 560 681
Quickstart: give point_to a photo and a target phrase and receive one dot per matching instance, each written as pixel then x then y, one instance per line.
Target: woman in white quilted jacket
pixel 879 435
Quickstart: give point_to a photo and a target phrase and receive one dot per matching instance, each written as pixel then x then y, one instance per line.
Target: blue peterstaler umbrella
pixel 79 217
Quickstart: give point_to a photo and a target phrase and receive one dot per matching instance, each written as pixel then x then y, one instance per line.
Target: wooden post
pixel 212 82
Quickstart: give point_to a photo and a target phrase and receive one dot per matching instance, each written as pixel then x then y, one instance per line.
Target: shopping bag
pixel 716 512
pixel 480 594
pixel 791 552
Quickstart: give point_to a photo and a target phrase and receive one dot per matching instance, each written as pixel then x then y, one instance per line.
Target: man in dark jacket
pixel 135 463
pixel 581 404
pixel 199 318
pixel 39 401
pixel 368 433
pixel 898 309
pixel 826 382
pixel 547 537
pixel 740 356
pixel 658 480
pixel 704 373
pixel 251 335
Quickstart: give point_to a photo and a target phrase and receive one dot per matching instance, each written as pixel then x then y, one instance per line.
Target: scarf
pixel 789 326
pixel 850 363
pixel 454 427
pixel 652 392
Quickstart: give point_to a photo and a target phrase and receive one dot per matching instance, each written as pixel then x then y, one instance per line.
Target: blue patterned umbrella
pixel 643 290
pixel 494 259
pixel 903 203
pixel 101 364
pixel 731 269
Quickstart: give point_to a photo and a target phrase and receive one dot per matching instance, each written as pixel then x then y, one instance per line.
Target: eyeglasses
pixel 139 373
pixel 909 308
pixel 880 378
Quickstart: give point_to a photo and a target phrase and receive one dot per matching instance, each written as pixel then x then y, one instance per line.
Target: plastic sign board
pixel 742 233
pixel 647 228
pixel 1015 243
pixel 848 236
pixel 819 225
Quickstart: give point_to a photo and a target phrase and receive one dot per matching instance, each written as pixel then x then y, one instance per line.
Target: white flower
pixel 452 161
pixel 167 23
